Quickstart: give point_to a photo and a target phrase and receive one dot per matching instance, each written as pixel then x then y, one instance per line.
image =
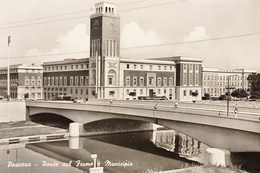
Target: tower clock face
pixel 96 24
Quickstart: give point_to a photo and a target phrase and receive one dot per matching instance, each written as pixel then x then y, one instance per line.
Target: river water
pixel 143 152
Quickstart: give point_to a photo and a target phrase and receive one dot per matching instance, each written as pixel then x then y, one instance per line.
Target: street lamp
pixel 228 96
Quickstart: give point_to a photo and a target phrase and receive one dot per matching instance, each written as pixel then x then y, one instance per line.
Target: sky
pixel 224 34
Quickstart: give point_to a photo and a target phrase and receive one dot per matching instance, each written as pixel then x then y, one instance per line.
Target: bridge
pixel 201 122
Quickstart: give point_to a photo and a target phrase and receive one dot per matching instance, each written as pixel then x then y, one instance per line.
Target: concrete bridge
pixel 206 125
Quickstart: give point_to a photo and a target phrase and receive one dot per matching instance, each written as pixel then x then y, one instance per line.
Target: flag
pixel 9 40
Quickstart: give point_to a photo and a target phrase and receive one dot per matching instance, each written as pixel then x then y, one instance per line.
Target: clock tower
pixel 104 51
pixel 105 31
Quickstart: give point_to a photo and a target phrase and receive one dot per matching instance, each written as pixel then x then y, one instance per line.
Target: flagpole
pixel 8 69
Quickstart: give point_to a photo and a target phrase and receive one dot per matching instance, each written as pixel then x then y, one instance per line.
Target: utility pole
pixel 8 69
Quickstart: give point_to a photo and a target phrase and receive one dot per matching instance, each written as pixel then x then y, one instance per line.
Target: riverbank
pixel 12 111
pixel 22 129
pixel 206 169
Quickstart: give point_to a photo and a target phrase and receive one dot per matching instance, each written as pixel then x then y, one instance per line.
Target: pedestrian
pixel 236 111
pixel 176 105
pixel 155 106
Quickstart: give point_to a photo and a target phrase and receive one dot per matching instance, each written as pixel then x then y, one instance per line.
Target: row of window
pixel 73 81
pixel 66 67
pixel 64 92
pixel 185 82
pixel 151 67
pixel 141 91
pixel 160 81
pixel 33 82
pixel 232 78
pixel 190 66
pixel 108 10
pixel 210 83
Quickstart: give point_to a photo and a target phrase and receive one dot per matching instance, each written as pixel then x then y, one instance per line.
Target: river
pixel 142 152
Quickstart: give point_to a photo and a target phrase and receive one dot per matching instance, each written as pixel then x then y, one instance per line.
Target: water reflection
pixel 128 152
pixel 182 144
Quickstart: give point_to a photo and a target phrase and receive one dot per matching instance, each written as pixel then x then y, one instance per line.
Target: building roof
pixel 147 61
pixel 22 66
pixel 66 61
pixel 177 59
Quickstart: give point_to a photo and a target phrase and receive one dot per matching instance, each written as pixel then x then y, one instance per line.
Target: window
pixel 184 78
pixel 81 91
pixel 170 82
pixel 65 67
pixel 65 80
pixel 159 82
pixel 111 77
pixel 71 81
pixel 159 91
pixel 95 48
pixel 82 66
pixel 164 91
pixel 191 67
pixel 151 67
pixel 165 67
pixel 127 91
pixel 127 66
pixel 190 92
pixel 60 83
pixel 196 79
pixel 184 67
pixel 159 67
pixel 71 67
pixel 71 91
pixel 76 81
pixel 128 81
pixel 141 66
pixel 86 81
pixel 76 91
pixel 60 67
pixel 56 81
pixel 197 67
pixel 165 81
pixel 134 66
pixel 141 81
pixel 170 67
pixel 184 92
pixel 81 81
pixel 110 80
pixel 141 91
pixel 135 81
pixel 190 78
pixel 150 81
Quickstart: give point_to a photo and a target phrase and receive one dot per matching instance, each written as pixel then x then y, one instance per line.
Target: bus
pixel 152 98
pixel 64 97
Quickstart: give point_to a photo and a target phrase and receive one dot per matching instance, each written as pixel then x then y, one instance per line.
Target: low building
pixel 25 81
pixel 215 81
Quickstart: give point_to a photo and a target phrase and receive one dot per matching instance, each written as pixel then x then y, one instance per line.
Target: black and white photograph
pixel 130 86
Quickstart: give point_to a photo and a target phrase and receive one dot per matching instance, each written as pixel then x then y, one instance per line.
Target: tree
pixel 207 96
pixel 132 94
pixel 254 83
pixel 239 93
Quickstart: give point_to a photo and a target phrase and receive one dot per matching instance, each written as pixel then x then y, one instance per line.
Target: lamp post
pixel 228 97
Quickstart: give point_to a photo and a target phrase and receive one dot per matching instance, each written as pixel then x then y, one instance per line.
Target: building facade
pixel 25 81
pixel 215 81
pixel 106 75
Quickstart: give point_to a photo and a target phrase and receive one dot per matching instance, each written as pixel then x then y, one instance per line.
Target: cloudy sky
pixel 224 33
